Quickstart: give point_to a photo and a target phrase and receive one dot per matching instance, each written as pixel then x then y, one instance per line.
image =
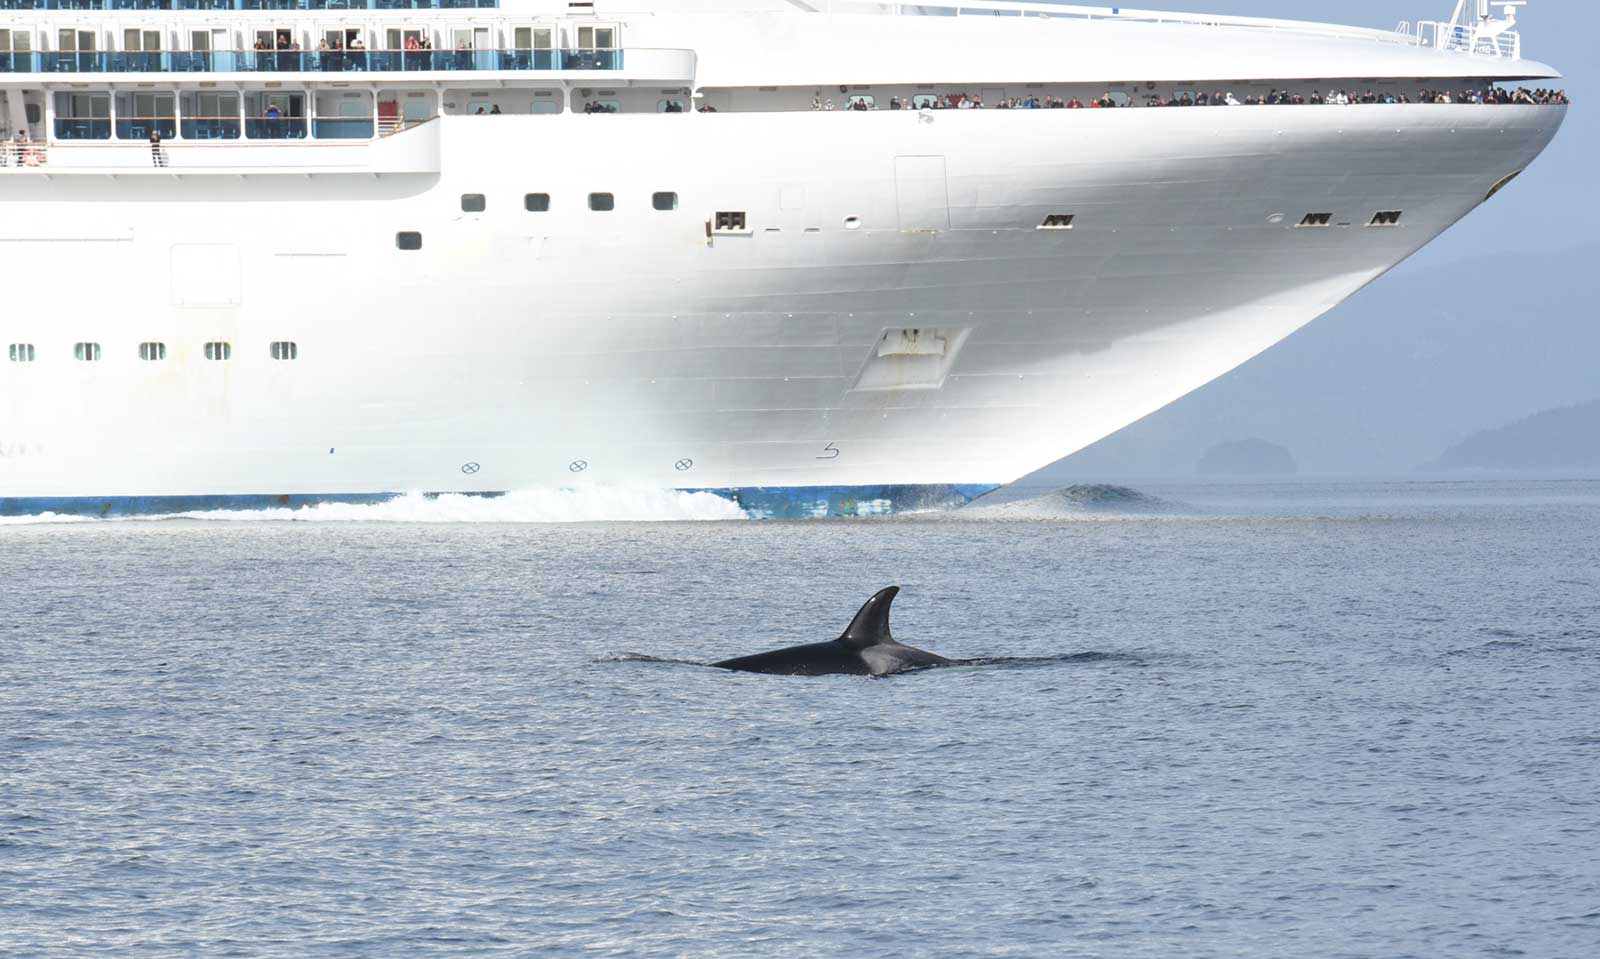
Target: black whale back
pixel 865 649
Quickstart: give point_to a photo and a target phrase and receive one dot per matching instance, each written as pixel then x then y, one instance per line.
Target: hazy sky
pixel 1493 321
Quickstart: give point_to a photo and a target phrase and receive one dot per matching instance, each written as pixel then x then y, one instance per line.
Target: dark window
pixel 473 203
pixel 152 351
pixel 1058 221
pixel 22 353
pixel 730 221
pixel 219 350
pixel 1386 218
pixel 536 203
pixel 285 350
pixel 602 202
pixel 1316 219
pixel 664 201
pixel 88 352
pixel 408 241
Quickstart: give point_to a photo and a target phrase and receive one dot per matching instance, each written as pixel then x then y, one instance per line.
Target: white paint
pixel 524 342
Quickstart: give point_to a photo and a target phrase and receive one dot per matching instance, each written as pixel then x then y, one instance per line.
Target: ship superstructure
pixel 811 254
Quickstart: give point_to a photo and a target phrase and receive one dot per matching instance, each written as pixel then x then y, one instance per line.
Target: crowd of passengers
pixel 964 101
pixel 1539 97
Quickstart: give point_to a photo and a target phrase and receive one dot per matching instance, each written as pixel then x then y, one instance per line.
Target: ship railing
pixel 1506 44
pixel 23 154
pixel 1461 38
pixel 389 126
pixel 253 5
pixel 309 61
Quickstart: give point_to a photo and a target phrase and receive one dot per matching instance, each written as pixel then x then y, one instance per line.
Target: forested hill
pixel 1560 439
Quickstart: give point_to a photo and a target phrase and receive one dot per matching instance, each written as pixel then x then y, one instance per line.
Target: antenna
pixel 1483 10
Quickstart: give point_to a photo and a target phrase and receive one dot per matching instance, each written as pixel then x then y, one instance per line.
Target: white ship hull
pixel 571 347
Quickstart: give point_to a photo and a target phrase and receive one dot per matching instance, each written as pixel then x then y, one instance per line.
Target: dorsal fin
pixel 871 625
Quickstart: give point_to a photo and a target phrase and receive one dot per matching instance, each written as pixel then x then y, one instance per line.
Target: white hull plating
pixel 520 350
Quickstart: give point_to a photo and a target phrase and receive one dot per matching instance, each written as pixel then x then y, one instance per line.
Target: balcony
pixel 249 4
pixel 312 61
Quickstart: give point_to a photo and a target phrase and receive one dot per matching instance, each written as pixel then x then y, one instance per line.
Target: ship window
pixel 408 240
pixel 536 203
pixel 1315 219
pixel 730 221
pixel 88 352
pixel 664 201
pixel 83 116
pixel 1386 218
pixel 22 353
pixel 602 202
pixel 152 351
pixel 862 101
pixel 473 203
pixel 285 350
pixel 218 350
pixel 1058 221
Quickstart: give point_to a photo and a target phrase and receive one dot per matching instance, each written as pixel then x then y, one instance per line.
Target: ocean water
pixel 1306 720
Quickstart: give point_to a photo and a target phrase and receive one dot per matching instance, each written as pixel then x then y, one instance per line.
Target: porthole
pixel 1058 221
pixel 664 201
pixel 154 352
pixel 602 202
pixel 536 203
pixel 852 223
pixel 285 350
pixel 87 352
pixel 22 353
pixel 408 240
pixel 1311 220
pixel 473 203
pixel 1386 218
pixel 730 221
pixel 218 350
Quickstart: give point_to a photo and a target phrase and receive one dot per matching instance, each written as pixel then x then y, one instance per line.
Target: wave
pixel 597 504
pixel 1084 500
pixel 1003 662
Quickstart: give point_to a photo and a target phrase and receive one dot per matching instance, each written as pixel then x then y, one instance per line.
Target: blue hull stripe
pixel 793 502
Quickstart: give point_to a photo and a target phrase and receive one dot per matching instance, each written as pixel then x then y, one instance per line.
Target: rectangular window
pixel 1386 218
pixel 730 221
pixel 1315 220
pixel 1058 221
pixel 473 203
pixel 87 352
pixel 219 351
pixel 408 240
pixel 83 116
pixel 602 202
pixel 154 352
pixel 285 350
pixel 22 353
pixel 664 201
pixel 536 203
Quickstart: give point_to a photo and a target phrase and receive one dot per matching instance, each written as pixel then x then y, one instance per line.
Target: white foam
pixel 43 518
pixel 599 504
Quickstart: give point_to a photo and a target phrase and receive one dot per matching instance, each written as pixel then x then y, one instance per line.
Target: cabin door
pixel 923 195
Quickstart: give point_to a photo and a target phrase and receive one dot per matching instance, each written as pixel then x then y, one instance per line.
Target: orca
pixel 865 649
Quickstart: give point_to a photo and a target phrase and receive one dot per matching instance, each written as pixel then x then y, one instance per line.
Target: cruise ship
pixel 820 257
